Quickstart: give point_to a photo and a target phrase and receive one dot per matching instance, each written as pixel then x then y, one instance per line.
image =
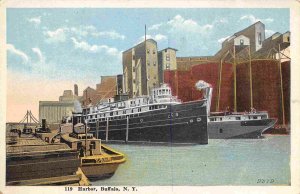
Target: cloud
pixel 39 54
pixel 268 20
pixel 269 32
pixel 11 48
pixel 58 35
pixel 41 66
pixel 80 31
pixel 180 30
pixel 30 65
pixel 85 46
pixel 111 34
pixel 35 20
pixel 155 26
pixel 253 19
pixel 157 38
pixel 179 24
pixel 185 34
pixel 223 39
pixel 61 34
pixel 182 24
pixel 92 30
pixel 223 20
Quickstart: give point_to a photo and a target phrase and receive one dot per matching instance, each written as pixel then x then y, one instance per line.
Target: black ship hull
pixel 177 123
pixel 251 129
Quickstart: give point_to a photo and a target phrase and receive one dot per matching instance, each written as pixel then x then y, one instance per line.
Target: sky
pixel 48 50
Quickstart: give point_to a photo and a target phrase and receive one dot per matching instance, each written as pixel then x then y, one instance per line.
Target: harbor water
pixel 254 162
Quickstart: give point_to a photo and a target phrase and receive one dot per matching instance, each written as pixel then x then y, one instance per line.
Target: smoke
pixel 207 91
pixel 77 106
pixel 202 85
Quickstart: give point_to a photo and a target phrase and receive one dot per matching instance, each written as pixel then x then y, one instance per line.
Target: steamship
pixel 228 125
pixel 158 118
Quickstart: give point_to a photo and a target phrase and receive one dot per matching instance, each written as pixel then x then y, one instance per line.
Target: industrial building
pixel 106 90
pixel 166 61
pixel 54 111
pixel 143 67
pixel 88 96
pixel 186 63
pixel 140 68
pixel 249 71
pixel 255 34
pixel 248 40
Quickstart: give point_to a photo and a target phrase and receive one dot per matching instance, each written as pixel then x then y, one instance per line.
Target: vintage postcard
pixel 150 97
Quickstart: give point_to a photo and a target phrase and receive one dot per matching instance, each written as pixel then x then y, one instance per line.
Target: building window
pixel 259 38
pixel 148 51
pixel 93 145
pixel 133 57
pixel 168 58
pixel 134 81
pixel 168 65
pixel 148 63
pixel 221 130
pixel 154 63
pixel 242 42
pixel 154 52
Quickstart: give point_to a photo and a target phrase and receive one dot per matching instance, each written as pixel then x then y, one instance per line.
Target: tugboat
pixel 98 161
pixel 158 118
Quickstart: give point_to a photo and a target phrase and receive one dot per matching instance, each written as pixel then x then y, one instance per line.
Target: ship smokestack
pixel 75 89
pixel 77 107
pixel 207 91
pixel 43 124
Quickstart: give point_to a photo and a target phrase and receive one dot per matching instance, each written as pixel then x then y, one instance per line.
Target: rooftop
pixel 143 42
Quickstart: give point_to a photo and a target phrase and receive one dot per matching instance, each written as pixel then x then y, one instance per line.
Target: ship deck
pixel 32 161
pixel 34 145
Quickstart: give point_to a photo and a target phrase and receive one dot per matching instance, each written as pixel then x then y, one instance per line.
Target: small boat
pixel 229 125
pixel 98 161
pixel 102 166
